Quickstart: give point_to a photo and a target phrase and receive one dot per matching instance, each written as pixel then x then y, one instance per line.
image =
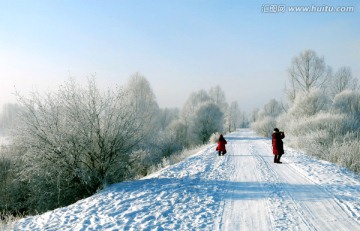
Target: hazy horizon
pixel 179 46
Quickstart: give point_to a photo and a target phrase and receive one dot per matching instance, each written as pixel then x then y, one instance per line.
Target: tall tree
pixel 307 71
pixel 143 101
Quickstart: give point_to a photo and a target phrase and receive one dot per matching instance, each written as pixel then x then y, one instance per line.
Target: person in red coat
pixel 277 144
pixel 221 145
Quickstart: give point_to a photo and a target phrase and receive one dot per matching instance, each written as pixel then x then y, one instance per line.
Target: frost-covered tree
pixel 343 80
pixel 347 102
pixel 172 139
pixel 217 96
pixel 273 109
pixel 234 118
pixel 323 115
pixel 167 116
pixel 192 103
pixel 142 99
pixel 307 71
pixel 75 141
pixel 264 126
pixel 254 115
pixel 188 112
pixel 308 104
pixel 208 119
pixel 310 124
pixel 180 131
pixel 265 119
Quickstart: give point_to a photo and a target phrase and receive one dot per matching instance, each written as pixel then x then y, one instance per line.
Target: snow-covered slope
pixel 243 190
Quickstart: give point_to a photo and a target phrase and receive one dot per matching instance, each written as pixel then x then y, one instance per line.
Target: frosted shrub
pixel 329 133
pixel 314 134
pixel 347 101
pixel 264 126
pixel 309 104
pixel 309 124
pixel 343 80
pixel 265 119
pixel 214 138
pixel 272 109
pixel 347 154
pixel 139 160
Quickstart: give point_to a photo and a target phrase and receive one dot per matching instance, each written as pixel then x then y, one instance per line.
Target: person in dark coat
pixel 277 144
pixel 221 145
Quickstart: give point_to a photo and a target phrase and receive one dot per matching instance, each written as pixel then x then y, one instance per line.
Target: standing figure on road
pixel 277 144
pixel 221 146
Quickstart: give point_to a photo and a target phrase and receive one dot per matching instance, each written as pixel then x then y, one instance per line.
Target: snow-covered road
pixel 288 196
pixel 243 190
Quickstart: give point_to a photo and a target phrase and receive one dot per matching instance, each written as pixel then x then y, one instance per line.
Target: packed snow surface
pixel 243 190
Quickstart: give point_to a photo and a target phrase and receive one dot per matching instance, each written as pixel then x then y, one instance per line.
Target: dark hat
pixel 276 130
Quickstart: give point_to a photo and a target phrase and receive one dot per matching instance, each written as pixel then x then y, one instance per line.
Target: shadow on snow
pixel 219 189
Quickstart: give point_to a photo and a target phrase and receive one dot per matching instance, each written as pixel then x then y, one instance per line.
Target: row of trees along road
pixel 321 112
pixel 68 144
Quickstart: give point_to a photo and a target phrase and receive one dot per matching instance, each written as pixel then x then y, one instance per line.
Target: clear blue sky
pixel 180 46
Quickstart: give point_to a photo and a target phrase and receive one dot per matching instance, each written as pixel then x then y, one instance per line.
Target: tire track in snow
pixel 318 207
pixel 244 195
pixel 333 185
pixel 286 214
pixel 219 222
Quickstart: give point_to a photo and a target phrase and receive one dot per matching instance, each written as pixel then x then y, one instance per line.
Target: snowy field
pixel 243 190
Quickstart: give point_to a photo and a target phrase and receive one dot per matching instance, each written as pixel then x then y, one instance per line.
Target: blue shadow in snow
pixel 220 189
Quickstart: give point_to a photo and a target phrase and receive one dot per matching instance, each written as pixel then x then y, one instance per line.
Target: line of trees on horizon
pixel 68 144
pixel 320 112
